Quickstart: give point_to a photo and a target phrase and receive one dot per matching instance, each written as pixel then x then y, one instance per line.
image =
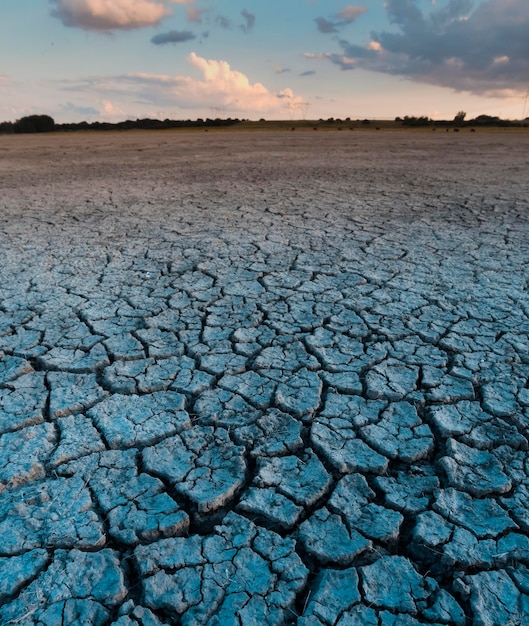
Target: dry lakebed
pixel 264 378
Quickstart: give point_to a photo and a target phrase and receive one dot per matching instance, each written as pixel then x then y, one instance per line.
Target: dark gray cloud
pixel 308 73
pixel 249 20
pixel 173 36
pixel 325 26
pixel 347 15
pixel 480 47
pixel 223 21
pixel 352 57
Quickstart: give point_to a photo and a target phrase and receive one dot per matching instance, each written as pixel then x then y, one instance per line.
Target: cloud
pixel 173 36
pixel 282 70
pixel 325 26
pixel 69 107
pixel 107 15
pixel 194 14
pixel 223 21
pixel 347 15
pixel 111 109
pixel 345 62
pixel 100 109
pixel 249 20
pixel 482 48
pixel 308 73
pixel 220 86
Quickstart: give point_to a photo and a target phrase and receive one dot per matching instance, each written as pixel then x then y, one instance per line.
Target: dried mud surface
pixel 264 378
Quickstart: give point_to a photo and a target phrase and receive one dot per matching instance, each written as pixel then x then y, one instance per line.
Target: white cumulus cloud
pixel 219 86
pixel 106 15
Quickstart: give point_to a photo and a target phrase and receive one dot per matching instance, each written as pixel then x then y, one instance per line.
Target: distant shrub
pixel 489 120
pixel 416 121
pixel 34 124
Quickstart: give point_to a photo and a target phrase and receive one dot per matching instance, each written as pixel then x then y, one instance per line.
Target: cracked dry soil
pixel 276 378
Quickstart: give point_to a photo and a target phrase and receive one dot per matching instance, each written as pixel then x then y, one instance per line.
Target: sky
pixel 112 60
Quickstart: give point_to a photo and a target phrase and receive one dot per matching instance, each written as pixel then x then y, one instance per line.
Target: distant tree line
pixel 414 121
pixel 149 124
pixel 45 123
pixel 459 120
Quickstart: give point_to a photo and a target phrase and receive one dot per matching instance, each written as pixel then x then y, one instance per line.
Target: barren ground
pixel 264 378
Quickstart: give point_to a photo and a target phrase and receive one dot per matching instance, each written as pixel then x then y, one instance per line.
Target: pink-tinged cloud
pixel 351 12
pixel 106 15
pixel 344 17
pixel 194 14
pixel 223 87
pixel 220 86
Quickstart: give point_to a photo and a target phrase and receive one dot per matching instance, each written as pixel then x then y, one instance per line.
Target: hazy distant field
pixel 156 166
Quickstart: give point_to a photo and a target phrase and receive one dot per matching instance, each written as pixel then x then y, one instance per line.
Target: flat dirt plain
pixel 264 378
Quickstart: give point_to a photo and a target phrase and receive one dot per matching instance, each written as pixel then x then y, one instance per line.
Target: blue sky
pixel 279 59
